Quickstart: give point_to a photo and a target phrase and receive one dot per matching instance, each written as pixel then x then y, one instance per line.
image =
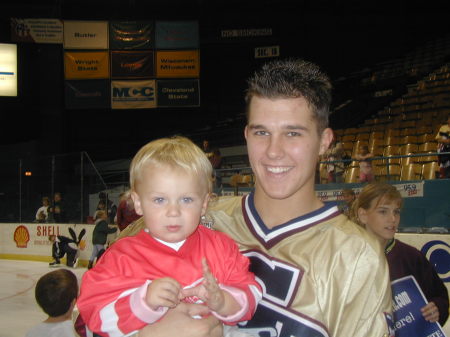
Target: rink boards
pixel 29 241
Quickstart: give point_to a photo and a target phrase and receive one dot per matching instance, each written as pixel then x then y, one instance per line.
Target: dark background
pixel 343 37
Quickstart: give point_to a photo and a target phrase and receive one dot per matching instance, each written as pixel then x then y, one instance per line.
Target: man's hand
pixel 179 322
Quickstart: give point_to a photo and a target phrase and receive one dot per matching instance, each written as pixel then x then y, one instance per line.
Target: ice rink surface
pixel 18 308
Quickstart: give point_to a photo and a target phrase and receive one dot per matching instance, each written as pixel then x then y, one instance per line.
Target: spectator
pixel 57 210
pixel 365 164
pixel 443 139
pixel 101 206
pixel 321 274
pixel 42 212
pixel 348 197
pixel 126 213
pixel 377 208
pixel 173 258
pixel 56 293
pixel 336 169
pixel 99 236
pixel 111 208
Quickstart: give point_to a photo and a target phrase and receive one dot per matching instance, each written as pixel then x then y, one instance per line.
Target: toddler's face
pixel 171 201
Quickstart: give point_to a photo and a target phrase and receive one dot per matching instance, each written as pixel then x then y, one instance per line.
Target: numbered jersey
pixel 322 274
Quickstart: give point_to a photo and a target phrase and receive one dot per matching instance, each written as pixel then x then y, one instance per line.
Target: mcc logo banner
pixel 133 94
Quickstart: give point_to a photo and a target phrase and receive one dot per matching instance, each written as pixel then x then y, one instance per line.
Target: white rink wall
pixel 29 241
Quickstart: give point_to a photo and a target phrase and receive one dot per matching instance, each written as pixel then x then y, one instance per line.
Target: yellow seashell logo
pixel 21 237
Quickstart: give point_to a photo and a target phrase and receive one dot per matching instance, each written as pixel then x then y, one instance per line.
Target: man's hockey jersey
pixel 322 275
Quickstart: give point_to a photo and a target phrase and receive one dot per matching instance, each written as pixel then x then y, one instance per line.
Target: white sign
pixel 263 52
pixel 37 30
pixel 8 69
pixel 85 34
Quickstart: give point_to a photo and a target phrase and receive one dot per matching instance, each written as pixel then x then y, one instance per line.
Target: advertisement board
pixel 86 34
pixel 8 69
pixel 37 30
pixel 173 64
pixel 133 94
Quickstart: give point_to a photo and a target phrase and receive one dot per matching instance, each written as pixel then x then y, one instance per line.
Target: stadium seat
pixel 430 170
pixel 408 148
pixel 411 172
pixel 410 139
pixel 391 172
pixel 394 140
pixel 425 138
pixel 352 175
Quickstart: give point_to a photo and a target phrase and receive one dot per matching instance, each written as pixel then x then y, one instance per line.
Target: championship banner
pixel 8 69
pixel 408 190
pixel 177 35
pixel 131 35
pixel 176 64
pixel 132 64
pixel 133 94
pixel 408 298
pixel 176 93
pixel 86 65
pixel 88 94
pixel 85 34
pixel 37 30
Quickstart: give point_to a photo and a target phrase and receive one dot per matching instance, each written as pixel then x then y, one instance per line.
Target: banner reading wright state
pixel 133 94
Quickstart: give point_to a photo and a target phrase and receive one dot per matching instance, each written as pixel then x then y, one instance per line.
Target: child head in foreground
pixel 170 180
pixel 56 293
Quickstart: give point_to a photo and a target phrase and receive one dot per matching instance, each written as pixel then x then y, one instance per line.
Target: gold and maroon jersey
pixel 321 274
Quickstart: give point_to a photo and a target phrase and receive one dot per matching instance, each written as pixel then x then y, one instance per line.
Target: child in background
pixel 42 212
pixel 173 259
pixel 126 214
pixel 348 197
pixel 377 208
pixel 365 164
pixel 56 293
pixel 100 235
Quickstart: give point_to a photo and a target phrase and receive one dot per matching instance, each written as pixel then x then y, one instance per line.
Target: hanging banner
pixel 132 64
pixel 177 35
pixel 85 34
pixel 88 94
pixel 177 93
pixel 8 69
pixel 86 65
pixel 407 190
pixel 131 35
pixel 133 94
pixel 37 30
pixel 176 64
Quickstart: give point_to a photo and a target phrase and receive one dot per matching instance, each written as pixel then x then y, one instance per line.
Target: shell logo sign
pixel 21 237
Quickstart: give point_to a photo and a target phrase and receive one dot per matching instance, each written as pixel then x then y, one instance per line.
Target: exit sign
pixel 272 51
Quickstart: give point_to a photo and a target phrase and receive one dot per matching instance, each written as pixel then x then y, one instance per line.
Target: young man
pixel 321 274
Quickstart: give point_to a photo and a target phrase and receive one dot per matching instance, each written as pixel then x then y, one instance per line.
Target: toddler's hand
pixel 209 291
pixel 163 292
